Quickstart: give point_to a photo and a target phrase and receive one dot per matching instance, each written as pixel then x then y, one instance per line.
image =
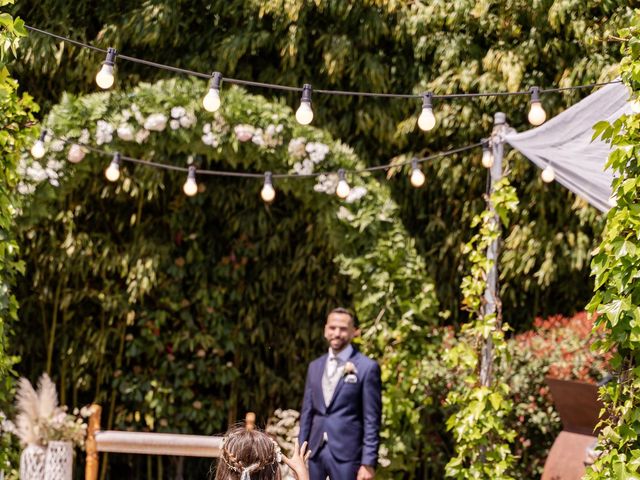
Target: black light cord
pixel 321 91
pixel 221 173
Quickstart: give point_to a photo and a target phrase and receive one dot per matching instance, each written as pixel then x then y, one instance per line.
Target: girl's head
pixel 248 454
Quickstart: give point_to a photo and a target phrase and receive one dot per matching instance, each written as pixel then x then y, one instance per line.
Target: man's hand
pixel 366 473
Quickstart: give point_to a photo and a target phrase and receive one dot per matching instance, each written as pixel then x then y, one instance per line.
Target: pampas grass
pixel 35 409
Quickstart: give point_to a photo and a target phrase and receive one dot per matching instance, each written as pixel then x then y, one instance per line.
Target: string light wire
pixel 223 173
pixel 274 86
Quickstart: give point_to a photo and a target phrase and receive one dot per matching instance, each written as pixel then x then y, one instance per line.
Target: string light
pixel 104 77
pixel 268 193
pixel 548 174
pixel 113 171
pixel 76 153
pixel 304 114
pixel 427 120
pixel 537 115
pixel 211 101
pixel 38 150
pixel 417 177
pixel 190 187
pixel 487 154
pixel 343 188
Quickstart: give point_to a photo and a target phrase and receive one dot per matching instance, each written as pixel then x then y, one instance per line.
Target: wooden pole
pixel 91 469
pixel 491 293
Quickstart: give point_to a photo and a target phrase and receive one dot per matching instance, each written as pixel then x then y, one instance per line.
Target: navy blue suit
pixel 351 421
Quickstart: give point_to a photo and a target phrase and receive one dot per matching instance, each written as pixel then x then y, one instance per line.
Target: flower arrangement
pixel 284 426
pixel 41 420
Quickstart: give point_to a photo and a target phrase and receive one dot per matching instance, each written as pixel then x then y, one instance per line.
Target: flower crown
pixel 245 472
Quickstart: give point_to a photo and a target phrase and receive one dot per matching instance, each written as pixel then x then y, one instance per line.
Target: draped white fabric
pixel 564 142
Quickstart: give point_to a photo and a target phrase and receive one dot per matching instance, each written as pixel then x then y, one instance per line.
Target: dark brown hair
pixel 346 311
pixel 244 448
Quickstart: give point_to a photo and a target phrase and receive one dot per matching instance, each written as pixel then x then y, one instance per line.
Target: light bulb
pixel 190 187
pixel 304 114
pixel 38 150
pixel 211 101
pixel 613 200
pixel 76 153
pixel 537 115
pixel 343 188
pixel 487 155
pixel 548 174
pixel 635 106
pixel 427 120
pixel 105 78
pixel 113 171
pixel 268 193
pixel 417 177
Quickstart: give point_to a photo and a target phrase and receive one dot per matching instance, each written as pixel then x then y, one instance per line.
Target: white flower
pixel 177 112
pixel 279 128
pixel 174 124
pixel 345 214
pixel 142 135
pixel 125 132
pixel 156 122
pixel 57 145
pixel 211 139
pixel 356 193
pixel 188 120
pixel 258 139
pixel 126 114
pixel 85 136
pixel 36 173
pixel 297 147
pixel 26 189
pixel 244 132
pixel 104 132
pixel 55 165
pixel 206 128
pixel 54 182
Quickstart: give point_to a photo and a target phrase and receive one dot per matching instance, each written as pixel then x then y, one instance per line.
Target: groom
pixel 341 409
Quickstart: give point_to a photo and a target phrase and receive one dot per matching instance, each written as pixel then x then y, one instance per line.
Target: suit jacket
pixel 352 419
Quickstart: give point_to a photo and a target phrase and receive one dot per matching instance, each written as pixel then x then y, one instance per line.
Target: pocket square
pixel 351 378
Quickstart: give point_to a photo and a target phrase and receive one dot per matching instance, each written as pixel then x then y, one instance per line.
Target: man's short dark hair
pixel 346 311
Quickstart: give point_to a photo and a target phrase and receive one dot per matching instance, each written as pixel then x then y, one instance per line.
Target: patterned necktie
pixel 332 367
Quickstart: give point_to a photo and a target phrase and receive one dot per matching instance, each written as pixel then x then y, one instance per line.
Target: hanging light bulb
pixel 635 105
pixel 211 101
pixel 76 153
pixel 537 115
pixel 417 177
pixel 304 114
pixel 268 193
pixel 190 187
pixel 105 78
pixel 427 120
pixel 343 188
pixel 113 171
pixel 487 154
pixel 613 200
pixel 38 150
pixel 548 174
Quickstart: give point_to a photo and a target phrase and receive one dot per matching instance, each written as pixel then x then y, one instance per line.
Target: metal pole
pixel 491 293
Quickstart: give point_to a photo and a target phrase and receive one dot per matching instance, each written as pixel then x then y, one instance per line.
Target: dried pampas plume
pixel 47 397
pixel 27 406
pixel 34 408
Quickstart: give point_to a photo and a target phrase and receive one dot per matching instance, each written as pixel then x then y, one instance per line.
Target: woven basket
pixel 32 462
pixel 58 463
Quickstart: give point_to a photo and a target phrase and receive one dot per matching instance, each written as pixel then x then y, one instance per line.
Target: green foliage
pixel 616 266
pixel 481 406
pixel 199 309
pixel 15 119
pixel 386 46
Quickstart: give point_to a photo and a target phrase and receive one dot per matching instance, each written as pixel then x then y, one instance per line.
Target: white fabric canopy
pixel 564 142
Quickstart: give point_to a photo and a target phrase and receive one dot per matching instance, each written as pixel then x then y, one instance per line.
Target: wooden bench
pixel 146 443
